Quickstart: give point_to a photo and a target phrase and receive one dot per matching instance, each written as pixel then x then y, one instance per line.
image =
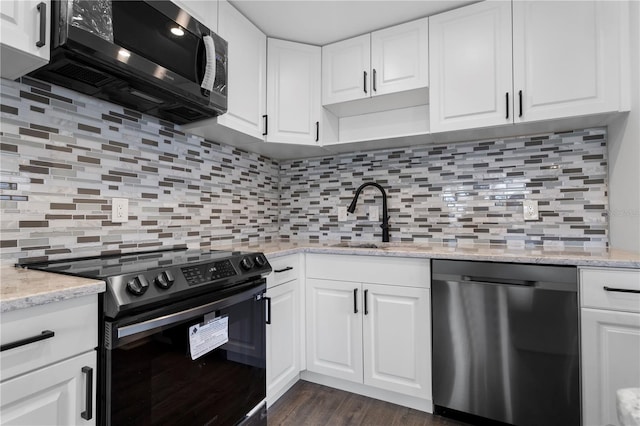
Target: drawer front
pixel 404 271
pixel 285 269
pixel 74 323
pixel 609 288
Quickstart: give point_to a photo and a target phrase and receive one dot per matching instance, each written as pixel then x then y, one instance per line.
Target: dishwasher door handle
pixel 495 281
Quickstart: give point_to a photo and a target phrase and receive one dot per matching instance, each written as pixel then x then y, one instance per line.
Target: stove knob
pixel 138 285
pixel 164 280
pixel 260 260
pixel 246 263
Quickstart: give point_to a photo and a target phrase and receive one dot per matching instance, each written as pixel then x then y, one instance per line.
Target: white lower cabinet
pixel 370 333
pixel 53 395
pixel 48 363
pixel 283 326
pixel 610 320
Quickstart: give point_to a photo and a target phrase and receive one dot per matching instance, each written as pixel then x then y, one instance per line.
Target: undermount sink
pixel 356 245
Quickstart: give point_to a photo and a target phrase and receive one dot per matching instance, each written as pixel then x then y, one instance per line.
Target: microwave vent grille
pixel 83 74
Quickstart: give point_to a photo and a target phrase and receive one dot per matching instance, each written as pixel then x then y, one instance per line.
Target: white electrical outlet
pixel 530 210
pixel 374 215
pixel 119 210
pixel 342 214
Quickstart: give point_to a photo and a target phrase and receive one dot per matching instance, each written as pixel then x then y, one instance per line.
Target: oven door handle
pixel 155 323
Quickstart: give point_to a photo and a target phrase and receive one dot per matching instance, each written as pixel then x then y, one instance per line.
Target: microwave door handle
pixel 210 65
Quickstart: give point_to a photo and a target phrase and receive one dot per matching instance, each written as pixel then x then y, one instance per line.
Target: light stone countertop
pixel 23 288
pixel 572 257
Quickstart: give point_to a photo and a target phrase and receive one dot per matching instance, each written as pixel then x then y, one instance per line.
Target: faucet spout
pixel 385 217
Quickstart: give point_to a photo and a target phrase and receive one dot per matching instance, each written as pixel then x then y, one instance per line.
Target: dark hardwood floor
pixel 311 404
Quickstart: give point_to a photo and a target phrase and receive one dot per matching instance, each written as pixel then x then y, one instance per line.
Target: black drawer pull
pixel 355 300
pixel 507 96
pixel 47 334
pixel 268 300
pixel 366 309
pixel 520 102
pixel 364 81
pixel 621 290
pixel 317 131
pixel 266 125
pixel 288 268
pixel 375 89
pixel 88 413
pixel 42 8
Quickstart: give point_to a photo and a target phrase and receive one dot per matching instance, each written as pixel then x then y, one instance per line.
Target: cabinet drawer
pixel 285 269
pixel 608 288
pixel 408 272
pixel 74 323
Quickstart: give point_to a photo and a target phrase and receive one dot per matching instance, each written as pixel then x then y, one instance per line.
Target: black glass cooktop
pixel 101 267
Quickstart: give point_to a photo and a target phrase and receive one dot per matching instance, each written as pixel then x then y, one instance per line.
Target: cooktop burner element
pixel 137 281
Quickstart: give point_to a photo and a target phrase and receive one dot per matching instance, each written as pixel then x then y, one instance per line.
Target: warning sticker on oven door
pixel 203 338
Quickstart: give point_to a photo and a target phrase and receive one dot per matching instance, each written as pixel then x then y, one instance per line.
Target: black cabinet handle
pixel 366 309
pixel 520 102
pixel 88 413
pixel 288 268
pixel 507 96
pixel 46 334
pixel 266 124
pixel 42 8
pixel 317 131
pixel 268 301
pixel 621 290
pixel 365 81
pixel 374 80
pixel 355 300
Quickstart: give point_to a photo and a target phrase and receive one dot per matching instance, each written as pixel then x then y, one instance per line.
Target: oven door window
pixel 154 381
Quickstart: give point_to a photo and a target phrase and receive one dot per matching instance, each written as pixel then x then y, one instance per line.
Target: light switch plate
pixel 119 210
pixel 342 214
pixel 530 210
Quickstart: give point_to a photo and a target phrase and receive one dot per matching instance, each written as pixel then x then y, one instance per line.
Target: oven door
pixel 150 377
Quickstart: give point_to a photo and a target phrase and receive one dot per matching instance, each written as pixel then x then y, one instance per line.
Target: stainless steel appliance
pixel 183 336
pixel 150 56
pixel 505 342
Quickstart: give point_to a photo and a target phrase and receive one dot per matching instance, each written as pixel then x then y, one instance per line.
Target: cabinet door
pixel 397 336
pixel 247 72
pixel 470 67
pixel 283 339
pixel 610 354
pixel 334 329
pixel 21 24
pixel 400 58
pixel 205 11
pixel 293 92
pixel 346 70
pixel 54 395
pixel 565 58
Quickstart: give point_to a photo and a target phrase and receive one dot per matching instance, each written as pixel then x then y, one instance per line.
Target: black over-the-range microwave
pixel 150 56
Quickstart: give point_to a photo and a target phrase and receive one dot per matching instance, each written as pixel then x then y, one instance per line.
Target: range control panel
pixel 199 274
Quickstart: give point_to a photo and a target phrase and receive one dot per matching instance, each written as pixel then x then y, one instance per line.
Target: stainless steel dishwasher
pixel 505 342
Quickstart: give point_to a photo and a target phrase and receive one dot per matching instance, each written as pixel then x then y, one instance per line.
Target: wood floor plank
pixel 309 404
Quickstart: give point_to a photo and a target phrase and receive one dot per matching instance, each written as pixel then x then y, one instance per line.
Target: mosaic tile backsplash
pixel 459 193
pixel 64 156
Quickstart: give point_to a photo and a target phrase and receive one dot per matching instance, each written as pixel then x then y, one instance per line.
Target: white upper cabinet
pixel 25 36
pixel 565 58
pixel 564 62
pixel 293 93
pixel 205 11
pixel 247 72
pixel 400 58
pixel 386 61
pixel 470 67
pixel 345 70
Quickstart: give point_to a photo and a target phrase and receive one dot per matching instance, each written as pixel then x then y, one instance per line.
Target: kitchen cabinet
pixel 25 36
pixel 283 326
pixel 247 73
pixel 293 93
pixel 610 321
pixel 387 61
pixel 368 322
pixel 50 380
pixel 562 59
pixel 205 11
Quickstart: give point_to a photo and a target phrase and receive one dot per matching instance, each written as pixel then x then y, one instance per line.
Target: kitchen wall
pixel 64 156
pixel 458 194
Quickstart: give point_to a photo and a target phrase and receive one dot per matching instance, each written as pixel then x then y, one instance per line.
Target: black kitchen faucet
pixel 385 217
